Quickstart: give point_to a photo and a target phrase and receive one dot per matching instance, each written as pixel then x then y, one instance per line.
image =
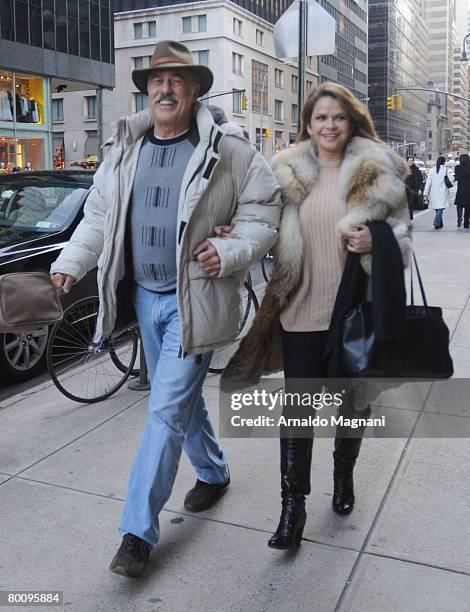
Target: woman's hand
pixel 359 240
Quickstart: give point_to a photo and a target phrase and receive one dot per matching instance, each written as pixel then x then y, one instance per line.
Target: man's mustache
pixel 161 97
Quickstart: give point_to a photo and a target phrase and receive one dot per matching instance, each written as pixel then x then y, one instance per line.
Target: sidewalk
pixel 63 471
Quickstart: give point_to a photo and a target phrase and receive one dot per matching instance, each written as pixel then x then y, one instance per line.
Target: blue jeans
pixel 177 419
pixel 438 217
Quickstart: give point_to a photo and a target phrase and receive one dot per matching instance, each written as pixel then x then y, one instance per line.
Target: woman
pixel 337 177
pixel 438 191
pixel 462 199
pixel 413 182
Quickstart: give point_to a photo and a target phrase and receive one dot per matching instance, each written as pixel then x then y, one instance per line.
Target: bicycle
pixel 85 371
pixel 222 356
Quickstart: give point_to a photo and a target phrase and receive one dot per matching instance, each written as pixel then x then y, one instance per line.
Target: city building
pixel 397 59
pixel 349 64
pixel 440 21
pixel 48 46
pixel 460 127
pixel 255 89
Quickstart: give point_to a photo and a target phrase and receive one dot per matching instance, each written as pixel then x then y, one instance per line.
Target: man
pixel 414 185
pixel 171 182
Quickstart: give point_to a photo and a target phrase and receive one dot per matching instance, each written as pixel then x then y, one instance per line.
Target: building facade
pixel 45 46
pixel 235 43
pixel 349 64
pixel 397 58
pixel 460 132
pixel 440 21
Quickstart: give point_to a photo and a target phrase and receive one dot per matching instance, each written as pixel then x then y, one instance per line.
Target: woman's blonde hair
pixel 361 121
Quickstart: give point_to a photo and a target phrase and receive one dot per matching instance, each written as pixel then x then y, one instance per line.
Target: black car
pixel 38 213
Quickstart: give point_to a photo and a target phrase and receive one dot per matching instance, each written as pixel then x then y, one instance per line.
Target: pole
pixel 303 14
pixel 99 124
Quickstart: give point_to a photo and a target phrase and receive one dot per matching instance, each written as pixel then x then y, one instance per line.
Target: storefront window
pixel 20 153
pixel 29 99
pixel 6 96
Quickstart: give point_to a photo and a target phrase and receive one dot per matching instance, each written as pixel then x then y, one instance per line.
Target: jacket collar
pixel 128 130
pixel 297 169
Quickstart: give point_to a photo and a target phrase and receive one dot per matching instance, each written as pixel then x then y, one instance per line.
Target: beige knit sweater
pixel 311 306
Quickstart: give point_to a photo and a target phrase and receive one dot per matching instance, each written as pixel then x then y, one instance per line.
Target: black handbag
pixel 449 184
pixel 422 351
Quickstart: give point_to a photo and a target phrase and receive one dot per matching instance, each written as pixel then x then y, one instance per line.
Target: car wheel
pixel 22 355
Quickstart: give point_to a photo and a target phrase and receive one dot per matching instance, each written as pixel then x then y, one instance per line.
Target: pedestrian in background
pixel 414 184
pixel 437 191
pixel 462 199
pixel 338 177
pixel 170 182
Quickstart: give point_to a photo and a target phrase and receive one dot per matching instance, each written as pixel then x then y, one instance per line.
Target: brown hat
pixel 171 54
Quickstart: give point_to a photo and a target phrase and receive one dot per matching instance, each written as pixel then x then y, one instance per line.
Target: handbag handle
pixel 420 281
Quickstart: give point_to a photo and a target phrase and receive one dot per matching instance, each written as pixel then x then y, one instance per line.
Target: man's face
pixel 411 161
pixel 172 94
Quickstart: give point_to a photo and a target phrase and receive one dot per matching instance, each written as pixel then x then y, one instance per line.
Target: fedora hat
pixel 169 54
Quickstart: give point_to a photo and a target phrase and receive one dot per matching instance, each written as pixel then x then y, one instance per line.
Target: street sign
pixel 321 27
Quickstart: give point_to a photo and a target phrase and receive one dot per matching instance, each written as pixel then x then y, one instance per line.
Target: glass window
pixel 203 57
pixel 21 21
pixel 35 26
pixel 95 42
pixel 61 27
pixel 295 114
pixel 278 110
pixel 6 20
pixel 84 28
pixel 279 78
pixel 202 23
pixel 237 101
pixel 237 64
pixel 138 30
pixel 42 207
pixel 48 23
pixel 259 38
pixel 259 87
pixel 140 102
pixel 29 99
pixel 6 96
pixel 152 29
pixel 237 27
pixel 138 63
pixel 295 83
pixel 16 153
pixel 58 109
pixel 105 45
pixel 90 107
pixel 186 24
pixel 73 27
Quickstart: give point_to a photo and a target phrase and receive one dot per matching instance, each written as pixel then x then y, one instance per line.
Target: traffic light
pixel 399 102
pixel 268 132
pixel 390 103
pixel 244 102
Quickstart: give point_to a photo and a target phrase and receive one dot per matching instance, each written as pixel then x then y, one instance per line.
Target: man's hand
pixel 63 281
pixel 208 258
pixel 359 240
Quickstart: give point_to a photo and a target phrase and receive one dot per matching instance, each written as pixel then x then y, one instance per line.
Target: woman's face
pixel 330 128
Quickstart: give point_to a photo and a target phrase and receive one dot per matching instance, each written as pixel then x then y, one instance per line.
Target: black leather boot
pixel 345 455
pixel 296 460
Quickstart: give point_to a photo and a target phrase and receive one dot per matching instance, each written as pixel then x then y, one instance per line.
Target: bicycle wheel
pixel 81 370
pixel 222 356
pixel 267 265
pixel 124 367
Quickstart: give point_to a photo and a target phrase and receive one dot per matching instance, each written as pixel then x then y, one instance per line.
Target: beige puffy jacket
pixel 226 182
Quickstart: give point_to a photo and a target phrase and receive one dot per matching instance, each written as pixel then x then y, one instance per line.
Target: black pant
pixel 303 355
pixel 465 212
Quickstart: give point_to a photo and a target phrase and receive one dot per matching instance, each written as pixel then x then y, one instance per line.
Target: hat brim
pixel 206 78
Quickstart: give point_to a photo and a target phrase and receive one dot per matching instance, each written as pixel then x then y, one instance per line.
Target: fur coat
pixel 372 184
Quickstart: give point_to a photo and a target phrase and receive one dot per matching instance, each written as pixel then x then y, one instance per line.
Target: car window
pixel 41 208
